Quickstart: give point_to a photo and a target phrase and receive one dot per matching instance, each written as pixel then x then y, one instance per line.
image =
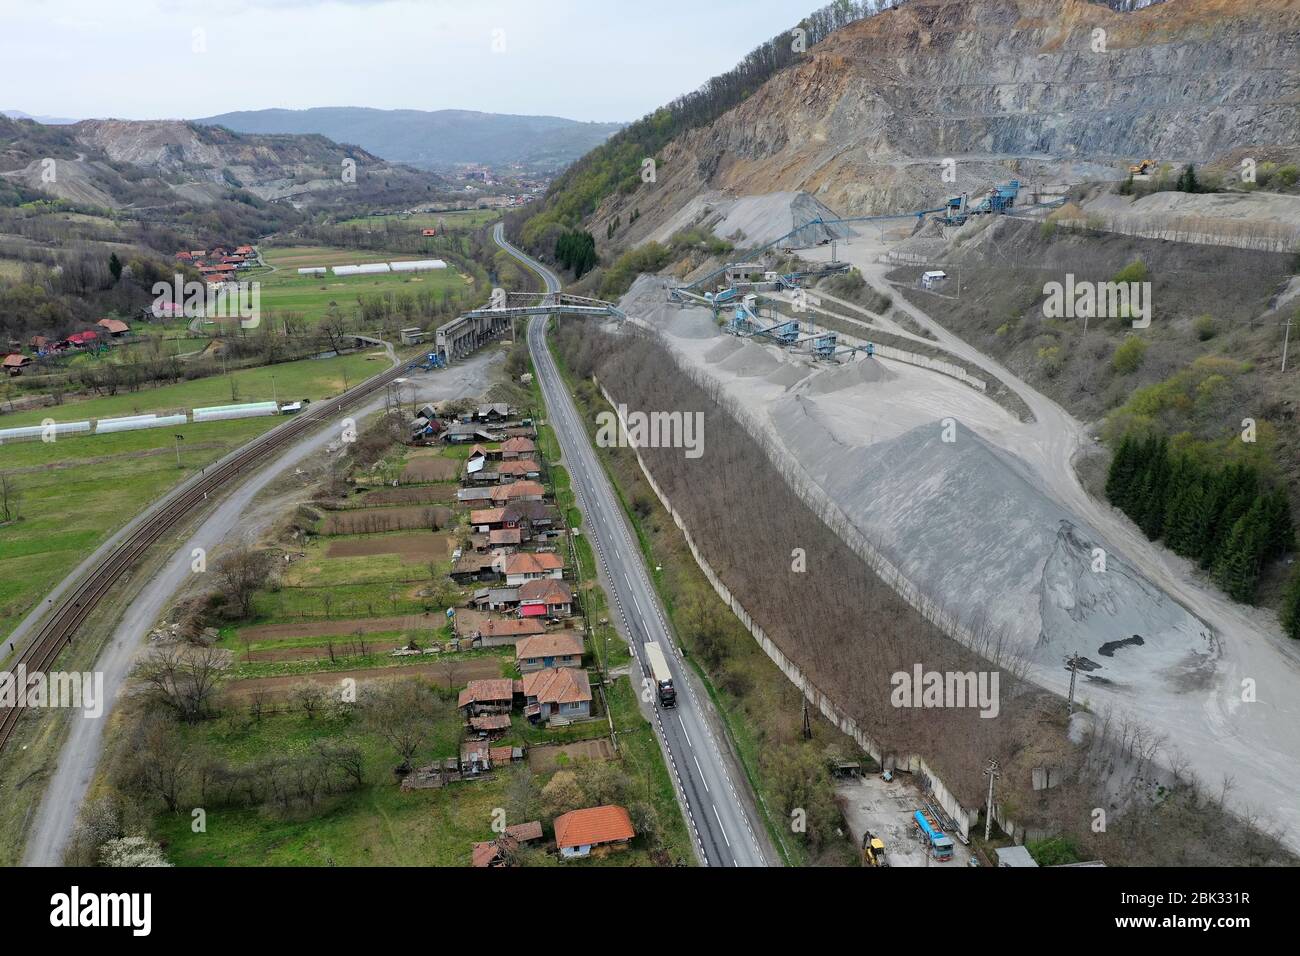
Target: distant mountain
pixel 162 163
pixel 47 120
pixel 437 139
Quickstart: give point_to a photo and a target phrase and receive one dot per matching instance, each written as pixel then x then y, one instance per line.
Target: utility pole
pixel 1286 339
pixel 604 632
pixel 1072 664
pixel 807 721
pixel 177 441
pixel 992 771
pixel 274 396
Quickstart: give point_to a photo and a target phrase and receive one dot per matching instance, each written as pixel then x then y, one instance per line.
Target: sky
pixel 604 60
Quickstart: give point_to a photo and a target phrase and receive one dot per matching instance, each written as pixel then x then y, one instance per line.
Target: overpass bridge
pixel 472 330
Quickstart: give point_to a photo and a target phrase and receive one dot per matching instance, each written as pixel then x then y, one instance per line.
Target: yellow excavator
pixel 873 851
pixel 1142 168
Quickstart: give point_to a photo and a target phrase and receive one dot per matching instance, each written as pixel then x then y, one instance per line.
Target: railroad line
pixel 61 625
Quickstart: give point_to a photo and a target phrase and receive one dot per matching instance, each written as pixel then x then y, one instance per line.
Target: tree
pixel 11 499
pixel 309 696
pixel 1237 566
pixel 562 794
pixel 162 760
pixel 1123 468
pixel 1129 355
pixel 182 679
pixel 1291 607
pixel 240 574
pixel 401 712
pixel 115 267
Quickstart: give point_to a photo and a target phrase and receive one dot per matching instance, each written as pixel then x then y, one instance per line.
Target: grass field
pixel 306 378
pixel 78 491
pixel 461 219
pixel 286 291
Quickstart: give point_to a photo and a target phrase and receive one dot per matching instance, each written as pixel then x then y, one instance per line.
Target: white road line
pixel 685 734
pixel 718 816
pixel 703 779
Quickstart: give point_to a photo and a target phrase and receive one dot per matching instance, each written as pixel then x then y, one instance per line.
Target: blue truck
pixel 932 834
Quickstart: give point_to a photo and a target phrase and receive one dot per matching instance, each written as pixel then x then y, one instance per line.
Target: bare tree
pixel 401 712
pixel 11 498
pixel 240 574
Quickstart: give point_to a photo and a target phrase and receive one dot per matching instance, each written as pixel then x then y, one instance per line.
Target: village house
pixel 496 633
pixel 561 649
pixel 493 696
pixel 556 695
pixel 526 566
pixel 545 597
pixel 505 537
pixel 517 468
pixel 517 491
pixel 477 496
pixel 602 829
pixel 486 520
pixel 16 362
pixel 497 412
pixel 517 448
pixel 114 327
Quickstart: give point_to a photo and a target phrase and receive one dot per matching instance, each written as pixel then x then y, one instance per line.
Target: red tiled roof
pixel 517 490
pixel 77 338
pixel 557 685
pixel 506 628
pixel 16 360
pixel 528 562
pixel 491 722
pixel 519 466
pixel 545 591
pixel 559 644
pixel 487 516
pixel 607 824
pixel 520 445
pixel 113 325
pixel 505 536
pixel 526 832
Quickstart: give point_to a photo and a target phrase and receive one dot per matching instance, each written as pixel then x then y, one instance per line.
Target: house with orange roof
pixel 524 566
pixel 560 649
pixel 556 694
pixel 599 829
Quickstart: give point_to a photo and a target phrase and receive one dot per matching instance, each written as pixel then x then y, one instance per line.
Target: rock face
pixel 1038 88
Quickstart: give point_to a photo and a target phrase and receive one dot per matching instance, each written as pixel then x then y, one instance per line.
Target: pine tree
pixel 1237 568
pixel 1281 530
pixel 1122 468
pixel 1151 510
pixel 1291 607
pixel 1183 521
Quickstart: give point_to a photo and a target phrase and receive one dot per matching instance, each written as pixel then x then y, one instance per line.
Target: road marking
pixel 720 826
pixel 703 780
pixel 684 733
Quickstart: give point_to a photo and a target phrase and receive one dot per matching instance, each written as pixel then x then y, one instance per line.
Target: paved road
pixel 712 787
pixel 78 760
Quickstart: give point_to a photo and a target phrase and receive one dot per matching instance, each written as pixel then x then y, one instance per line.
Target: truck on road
pixel 660 674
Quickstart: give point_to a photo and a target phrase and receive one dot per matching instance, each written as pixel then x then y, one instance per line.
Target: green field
pixel 285 291
pixel 78 491
pixel 461 219
pixel 306 378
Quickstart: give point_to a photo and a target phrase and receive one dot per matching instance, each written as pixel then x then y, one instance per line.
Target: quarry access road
pixel 711 784
pixel 1245 723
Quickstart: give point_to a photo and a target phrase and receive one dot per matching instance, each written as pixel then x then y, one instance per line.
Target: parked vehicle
pixel 932 834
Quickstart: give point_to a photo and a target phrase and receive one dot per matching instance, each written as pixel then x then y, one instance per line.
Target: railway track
pixel 61 625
